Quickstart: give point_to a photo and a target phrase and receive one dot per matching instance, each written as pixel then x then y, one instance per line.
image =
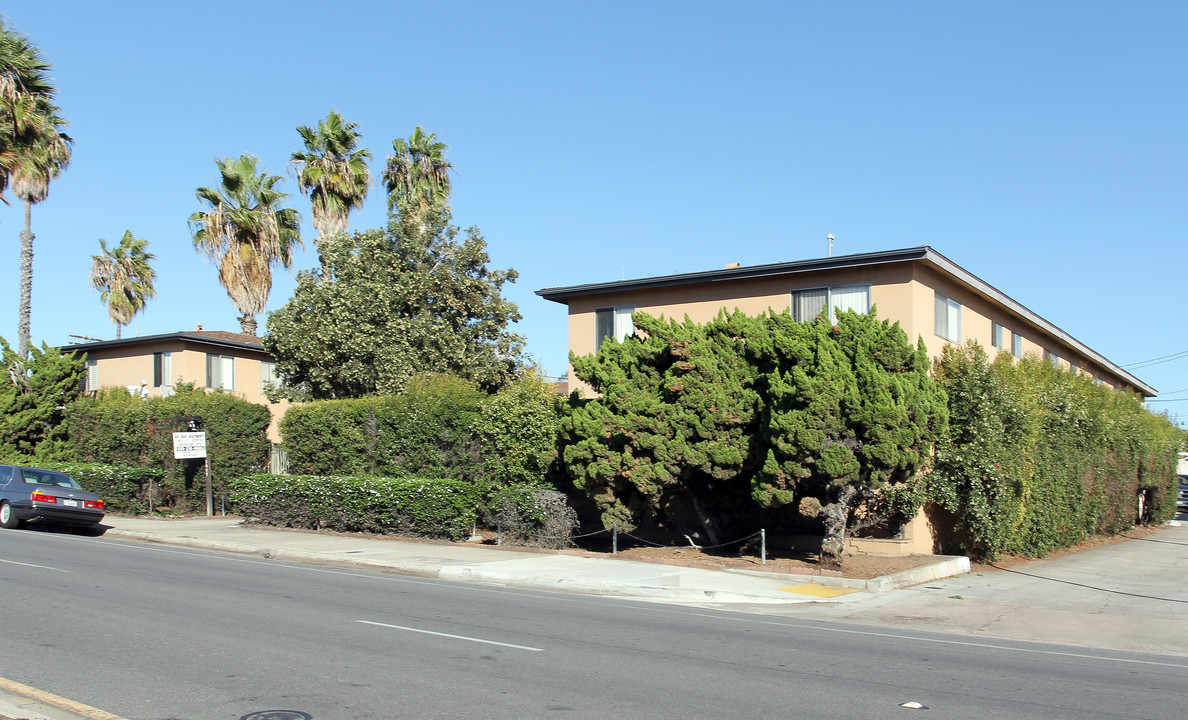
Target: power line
pixel 1157 361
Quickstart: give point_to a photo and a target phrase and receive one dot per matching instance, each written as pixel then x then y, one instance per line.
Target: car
pixel 1182 503
pixel 29 494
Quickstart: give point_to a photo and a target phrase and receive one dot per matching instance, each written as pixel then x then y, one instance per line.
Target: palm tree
pixel 34 150
pixel 124 277
pixel 333 172
pixel 24 74
pixel 417 176
pixel 245 233
pixel 44 154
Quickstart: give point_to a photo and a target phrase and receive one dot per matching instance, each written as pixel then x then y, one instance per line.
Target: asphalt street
pixel 156 632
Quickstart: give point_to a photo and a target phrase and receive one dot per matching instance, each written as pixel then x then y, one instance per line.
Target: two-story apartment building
pixel 229 361
pixel 929 295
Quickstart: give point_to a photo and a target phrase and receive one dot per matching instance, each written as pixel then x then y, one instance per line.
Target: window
pixel 1017 345
pixel 162 369
pixel 220 372
pixel 613 322
pixel 267 376
pixel 996 332
pixel 948 318
pixel 808 304
pixel 91 382
pixel 1052 358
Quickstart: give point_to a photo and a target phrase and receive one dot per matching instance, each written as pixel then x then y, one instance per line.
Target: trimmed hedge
pixel 415 507
pixel 117 429
pixel 440 427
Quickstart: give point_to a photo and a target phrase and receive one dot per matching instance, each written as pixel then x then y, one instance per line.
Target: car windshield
pixel 48 477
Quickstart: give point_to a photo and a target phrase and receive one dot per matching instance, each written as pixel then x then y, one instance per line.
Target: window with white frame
pixel 162 369
pixel 91 382
pixel 948 318
pixel 808 304
pixel 220 371
pixel 996 335
pixel 613 323
pixel 1016 344
pixel 267 376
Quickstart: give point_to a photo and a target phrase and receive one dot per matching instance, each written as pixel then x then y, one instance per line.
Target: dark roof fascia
pixel 168 337
pixel 562 294
pixel 921 253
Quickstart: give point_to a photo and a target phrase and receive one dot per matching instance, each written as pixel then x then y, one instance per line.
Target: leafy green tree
pixel 34 148
pixel 244 233
pixel 417 177
pixel 399 305
pixel 333 172
pixel 744 414
pixel 34 395
pixel 850 412
pixel 124 278
pixel 670 437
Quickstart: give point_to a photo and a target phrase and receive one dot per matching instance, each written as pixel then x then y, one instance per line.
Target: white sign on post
pixel 188 445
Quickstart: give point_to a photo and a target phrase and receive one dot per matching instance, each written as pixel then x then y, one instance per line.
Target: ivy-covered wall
pixel 1038 458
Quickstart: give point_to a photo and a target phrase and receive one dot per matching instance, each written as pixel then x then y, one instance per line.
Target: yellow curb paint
pixel 823 591
pixel 43 697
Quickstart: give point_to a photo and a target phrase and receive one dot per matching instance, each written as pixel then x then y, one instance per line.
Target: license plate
pixel 70 503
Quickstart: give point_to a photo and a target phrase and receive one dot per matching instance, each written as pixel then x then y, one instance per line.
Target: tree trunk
pixel 26 301
pixel 118 327
pixel 837 516
pixel 707 522
pixel 247 324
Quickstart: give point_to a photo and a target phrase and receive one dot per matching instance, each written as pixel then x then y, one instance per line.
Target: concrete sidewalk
pixel 539 570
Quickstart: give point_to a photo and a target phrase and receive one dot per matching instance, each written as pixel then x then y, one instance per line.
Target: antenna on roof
pixel 829 237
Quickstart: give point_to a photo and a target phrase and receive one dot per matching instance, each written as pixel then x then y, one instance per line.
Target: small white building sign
pixel 188 445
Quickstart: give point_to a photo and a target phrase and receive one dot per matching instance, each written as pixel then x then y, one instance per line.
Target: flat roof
pixel 213 338
pixel 922 253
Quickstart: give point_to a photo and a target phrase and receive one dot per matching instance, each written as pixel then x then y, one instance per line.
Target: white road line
pixel 455 637
pixel 39 567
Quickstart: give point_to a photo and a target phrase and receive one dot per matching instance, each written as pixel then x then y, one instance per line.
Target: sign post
pixel 192 445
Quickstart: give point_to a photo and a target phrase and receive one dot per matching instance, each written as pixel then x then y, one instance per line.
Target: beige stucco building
pixel 232 362
pixel 930 296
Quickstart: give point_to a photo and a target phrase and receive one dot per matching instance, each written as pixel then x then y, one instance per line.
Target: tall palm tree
pixel 124 277
pixel 34 150
pixel 24 74
pixel 333 172
pixel 244 233
pixel 44 154
pixel 417 176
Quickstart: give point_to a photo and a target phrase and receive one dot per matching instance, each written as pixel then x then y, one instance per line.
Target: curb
pixel 462 571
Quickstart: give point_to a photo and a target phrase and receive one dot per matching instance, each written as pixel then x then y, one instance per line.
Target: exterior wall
pixel 901 292
pixel 123 366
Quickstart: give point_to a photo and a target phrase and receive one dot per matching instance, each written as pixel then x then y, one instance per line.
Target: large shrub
pixel 1039 458
pixel 117 429
pixel 407 506
pixel 722 420
pixel 34 393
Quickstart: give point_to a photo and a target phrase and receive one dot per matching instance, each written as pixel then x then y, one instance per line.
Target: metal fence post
pixel 615 539
pixel 762 546
pixel 498 533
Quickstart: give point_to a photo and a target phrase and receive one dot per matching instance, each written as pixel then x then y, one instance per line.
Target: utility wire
pixel 1157 361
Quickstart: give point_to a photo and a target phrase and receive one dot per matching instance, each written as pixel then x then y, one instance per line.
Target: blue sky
pixel 1040 145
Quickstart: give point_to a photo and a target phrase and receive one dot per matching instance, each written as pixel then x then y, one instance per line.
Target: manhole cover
pixel 278 715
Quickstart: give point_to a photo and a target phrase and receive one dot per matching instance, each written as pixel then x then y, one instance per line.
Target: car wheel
pixel 8 518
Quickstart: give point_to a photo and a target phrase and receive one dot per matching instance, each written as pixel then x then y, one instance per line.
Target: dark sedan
pixel 33 494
